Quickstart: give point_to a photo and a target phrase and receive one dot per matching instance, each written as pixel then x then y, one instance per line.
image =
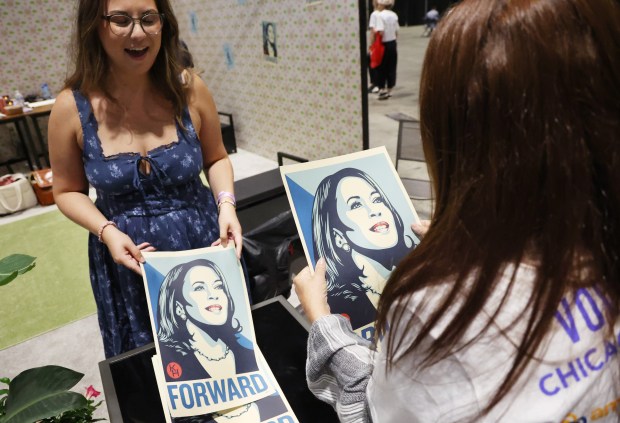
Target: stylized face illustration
pixel 205 296
pixel 362 208
pixel 271 34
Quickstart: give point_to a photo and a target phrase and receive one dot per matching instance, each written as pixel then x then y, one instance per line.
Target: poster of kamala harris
pixel 203 329
pixel 353 211
pixel 271 409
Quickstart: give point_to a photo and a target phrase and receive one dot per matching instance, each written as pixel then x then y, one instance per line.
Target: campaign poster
pixel 203 331
pixel 270 42
pixel 270 409
pixel 354 212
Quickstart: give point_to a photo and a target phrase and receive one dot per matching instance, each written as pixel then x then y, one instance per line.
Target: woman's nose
pixel 373 210
pixel 213 294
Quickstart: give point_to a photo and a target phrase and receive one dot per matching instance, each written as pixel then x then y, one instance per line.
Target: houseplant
pixel 42 394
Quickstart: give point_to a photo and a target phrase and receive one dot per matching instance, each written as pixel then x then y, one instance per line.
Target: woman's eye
pixel 377 199
pixel 355 205
pixel 120 20
pixel 218 286
pixel 150 20
pixel 199 288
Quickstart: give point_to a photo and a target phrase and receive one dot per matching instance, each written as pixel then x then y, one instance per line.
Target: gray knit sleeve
pixel 339 366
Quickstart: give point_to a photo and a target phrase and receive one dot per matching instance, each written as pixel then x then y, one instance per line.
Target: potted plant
pixel 42 394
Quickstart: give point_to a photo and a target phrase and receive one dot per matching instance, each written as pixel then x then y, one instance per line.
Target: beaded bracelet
pixel 225 200
pixel 224 194
pixel 102 227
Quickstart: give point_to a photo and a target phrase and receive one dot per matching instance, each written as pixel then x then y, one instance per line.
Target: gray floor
pixel 78 345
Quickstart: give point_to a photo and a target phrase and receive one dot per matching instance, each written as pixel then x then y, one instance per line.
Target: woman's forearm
pixel 221 177
pixel 336 351
pixel 79 208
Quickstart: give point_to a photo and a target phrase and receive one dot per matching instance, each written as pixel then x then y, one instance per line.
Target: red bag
pixel 376 52
pixel 42 181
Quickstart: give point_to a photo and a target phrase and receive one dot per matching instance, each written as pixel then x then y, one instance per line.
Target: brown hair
pixel 520 120
pixel 91 61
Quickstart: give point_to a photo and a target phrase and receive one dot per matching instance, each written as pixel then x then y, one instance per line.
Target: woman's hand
pixel 312 291
pixel 123 250
pixel 420 229
pixel 230 228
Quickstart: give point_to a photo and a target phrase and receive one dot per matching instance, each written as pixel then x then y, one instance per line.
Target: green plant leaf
pixel 4 279
pixel 42 392
pixel 13 265
pixel 5 380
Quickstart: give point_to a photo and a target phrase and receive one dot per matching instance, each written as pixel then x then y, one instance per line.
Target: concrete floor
pixel 78 345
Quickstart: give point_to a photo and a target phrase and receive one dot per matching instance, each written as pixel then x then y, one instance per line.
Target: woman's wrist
pixel 102 229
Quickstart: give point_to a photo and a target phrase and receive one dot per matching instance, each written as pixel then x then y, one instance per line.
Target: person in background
pixel 372 26
pixel 387 25
pixel 126 124
pixel 508 309
pixel 430 21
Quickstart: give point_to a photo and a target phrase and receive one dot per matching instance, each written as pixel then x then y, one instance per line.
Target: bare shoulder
pixel 198 92
pixel 65 103
pixel 64 121
pixel 201 105
pixel 65 109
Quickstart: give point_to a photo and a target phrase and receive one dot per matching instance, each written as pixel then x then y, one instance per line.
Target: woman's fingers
pixel 311 288
pixel 421 228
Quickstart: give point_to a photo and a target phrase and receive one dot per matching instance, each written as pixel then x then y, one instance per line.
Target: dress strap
pixel 188 129
pixel 88 122
pixel 83 106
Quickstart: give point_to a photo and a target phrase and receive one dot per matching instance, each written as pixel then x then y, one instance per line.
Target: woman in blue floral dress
pixel 140 135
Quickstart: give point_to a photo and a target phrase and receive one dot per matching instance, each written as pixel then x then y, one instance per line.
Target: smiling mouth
pixel 136 52
pixel 214 308
pixel 380 227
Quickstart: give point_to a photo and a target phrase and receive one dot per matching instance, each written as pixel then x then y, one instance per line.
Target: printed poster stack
pixel 208 366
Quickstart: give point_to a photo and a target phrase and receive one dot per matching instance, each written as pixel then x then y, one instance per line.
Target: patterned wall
pixel 307 101
pixel 34 38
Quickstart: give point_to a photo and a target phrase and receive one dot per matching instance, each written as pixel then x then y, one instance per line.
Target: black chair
pixel 409 148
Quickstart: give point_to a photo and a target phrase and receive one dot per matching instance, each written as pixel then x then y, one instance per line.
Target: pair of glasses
pixel 122 24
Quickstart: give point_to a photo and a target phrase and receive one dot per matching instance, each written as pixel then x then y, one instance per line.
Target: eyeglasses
pixel 122 24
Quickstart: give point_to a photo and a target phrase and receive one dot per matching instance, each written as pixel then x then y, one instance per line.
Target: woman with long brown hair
pixel 508 308
pixel 130 126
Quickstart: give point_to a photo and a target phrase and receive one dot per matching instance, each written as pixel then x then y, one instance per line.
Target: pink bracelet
pixel 102 227
pixel 224 194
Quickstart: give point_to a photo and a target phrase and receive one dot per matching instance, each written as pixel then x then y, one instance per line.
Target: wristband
pixel 102 227
pixel 224 194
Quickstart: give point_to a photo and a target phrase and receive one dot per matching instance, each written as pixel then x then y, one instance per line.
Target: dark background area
pixel 411 12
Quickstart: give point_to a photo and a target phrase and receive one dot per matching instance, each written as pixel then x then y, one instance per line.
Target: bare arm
pixel 71 186
pixel 217 165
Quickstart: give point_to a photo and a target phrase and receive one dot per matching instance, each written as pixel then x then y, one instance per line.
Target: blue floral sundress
pixel 170 208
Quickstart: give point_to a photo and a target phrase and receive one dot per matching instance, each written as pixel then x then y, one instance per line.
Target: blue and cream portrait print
pixel 359 223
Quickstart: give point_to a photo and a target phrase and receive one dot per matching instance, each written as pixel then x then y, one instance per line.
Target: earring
pixel 341 241
pixel 181 313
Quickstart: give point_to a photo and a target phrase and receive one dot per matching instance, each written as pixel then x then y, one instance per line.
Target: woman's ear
pixel 340 240
pixel 180 311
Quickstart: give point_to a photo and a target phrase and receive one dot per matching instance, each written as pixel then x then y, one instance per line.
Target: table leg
pixel 43 150
pixel 24 140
